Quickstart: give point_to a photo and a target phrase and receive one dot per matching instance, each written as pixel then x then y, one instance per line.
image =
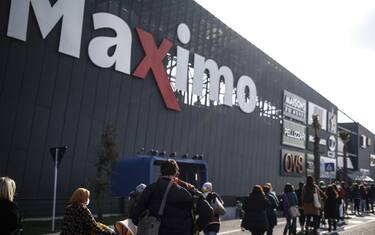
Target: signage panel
pixel 310 164
pixel 332 122
pixel 323 142
pixel 294 134
pixel 372 160
pixel 326 169
pixel 320 112
pixel 294 106
pixel 292 163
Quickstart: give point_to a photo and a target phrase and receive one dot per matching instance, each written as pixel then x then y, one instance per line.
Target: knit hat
pixel 207 187
pixel 140 188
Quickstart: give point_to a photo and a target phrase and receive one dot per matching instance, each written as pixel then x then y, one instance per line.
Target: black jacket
pixel 177 217
pixel 10 217
pixel 214 225
pixel 331 208
pixel 255 218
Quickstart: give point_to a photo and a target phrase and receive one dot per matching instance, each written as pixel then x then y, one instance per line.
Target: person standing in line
pixel 339 201
pixel 363 197
pixel 271 211
pixel 371 197
pixel 214 226
pixel 78 218
pixel 177 218
pixel 356 195
pixel 344 194
pixel 289 199
pixel 331 207
pixel 321 219
pixel 10 215
pixel 134 197
pixel 271 189
pixel 255 207
pixel 301 218
pixel 311 210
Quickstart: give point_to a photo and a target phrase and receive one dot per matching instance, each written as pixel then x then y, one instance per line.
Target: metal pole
pixel 54 192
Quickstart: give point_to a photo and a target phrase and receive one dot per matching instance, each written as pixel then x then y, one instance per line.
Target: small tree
pixel 107 154
pixel 345 137
pixel 316 126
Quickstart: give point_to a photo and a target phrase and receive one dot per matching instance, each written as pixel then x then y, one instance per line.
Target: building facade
pixel 360 150
pixel 169 75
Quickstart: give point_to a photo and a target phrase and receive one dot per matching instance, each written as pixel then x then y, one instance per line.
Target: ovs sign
pixel 292 163
pixel 71 13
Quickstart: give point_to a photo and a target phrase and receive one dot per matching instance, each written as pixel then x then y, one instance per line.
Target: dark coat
pixel 177 217
pixel 271 210
pixel 10 217
pixel 79 220
pixel 255 208
pixel 289 199
pixel 214 224
pixel 331 208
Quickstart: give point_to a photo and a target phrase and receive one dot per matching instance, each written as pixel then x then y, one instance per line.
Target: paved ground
pixel 356 225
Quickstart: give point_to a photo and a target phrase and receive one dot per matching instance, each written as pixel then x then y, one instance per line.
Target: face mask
pixel 88 201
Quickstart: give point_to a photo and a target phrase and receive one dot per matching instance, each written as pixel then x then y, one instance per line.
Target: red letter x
pixel 154 60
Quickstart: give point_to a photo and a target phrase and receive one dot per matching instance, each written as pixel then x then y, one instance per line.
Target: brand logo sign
pixel 315 110
pixel 71 15
pixel 294 134
pixel 294 106
pixel 326 169
pixel 292 163
pixel 331 146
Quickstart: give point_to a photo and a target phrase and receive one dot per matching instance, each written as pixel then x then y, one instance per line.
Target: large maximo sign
pixel 72 14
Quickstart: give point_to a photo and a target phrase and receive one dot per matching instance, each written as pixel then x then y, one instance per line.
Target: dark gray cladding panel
pixel 49 99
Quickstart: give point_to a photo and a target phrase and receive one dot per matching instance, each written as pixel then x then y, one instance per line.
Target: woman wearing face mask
pixel 214 225
pixel 78 218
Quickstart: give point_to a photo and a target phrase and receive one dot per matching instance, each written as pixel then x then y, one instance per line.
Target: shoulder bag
pixel 218 207
pixel 149 225
pixel 316 199
pixel 292 209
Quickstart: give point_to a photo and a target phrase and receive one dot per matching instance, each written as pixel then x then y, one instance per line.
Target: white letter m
pixel 71 12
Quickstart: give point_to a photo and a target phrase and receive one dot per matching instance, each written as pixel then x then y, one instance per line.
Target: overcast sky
pixel 329 44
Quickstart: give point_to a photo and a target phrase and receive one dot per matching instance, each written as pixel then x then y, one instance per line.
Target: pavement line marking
pixel 230 231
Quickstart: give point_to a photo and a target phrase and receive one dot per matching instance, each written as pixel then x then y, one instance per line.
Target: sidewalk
pixel 353 224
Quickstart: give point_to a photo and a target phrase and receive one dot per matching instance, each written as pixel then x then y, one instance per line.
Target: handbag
pixel 294 212
pixel 125 227
pixel 149 225
pixel 316 200
pixel 218 207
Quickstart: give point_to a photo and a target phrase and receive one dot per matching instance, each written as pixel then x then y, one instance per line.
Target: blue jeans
pixel 210 233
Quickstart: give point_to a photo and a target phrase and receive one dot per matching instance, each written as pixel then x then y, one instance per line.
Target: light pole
pixel 57 153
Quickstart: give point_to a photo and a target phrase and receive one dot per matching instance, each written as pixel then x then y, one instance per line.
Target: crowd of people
pixel 179 208
pixel 313 205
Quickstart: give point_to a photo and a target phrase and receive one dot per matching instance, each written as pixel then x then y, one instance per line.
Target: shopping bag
pixel 317 201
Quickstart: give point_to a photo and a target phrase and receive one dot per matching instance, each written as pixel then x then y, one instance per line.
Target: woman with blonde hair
pixel 10 216
pixel 78 218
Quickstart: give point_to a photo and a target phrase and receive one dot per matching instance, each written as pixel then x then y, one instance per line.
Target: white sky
pixel 328 44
